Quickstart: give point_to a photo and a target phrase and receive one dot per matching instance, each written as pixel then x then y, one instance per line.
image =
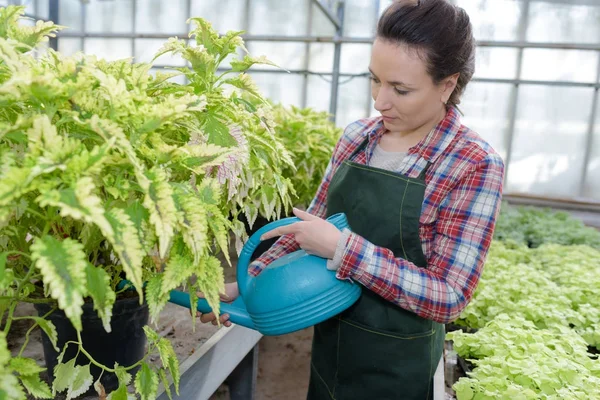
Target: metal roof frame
pixel 335 14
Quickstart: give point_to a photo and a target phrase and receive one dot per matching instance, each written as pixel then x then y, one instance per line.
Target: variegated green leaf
pixel 10 389
pixel 155 297
pixel 193 223
pixel 64 374
pixel 25 366
pixel 98 285
pixel 119 394
pixel 210 281
pixel 219 226
pixel 63 266
pixel 179 268
pixel 49 329
pixel 36 387
pixel 165 382
pixel 169 360
pixel 82 381
pixel 126 243
pixel 146 382
pixel 123 376
pixel 160 204
pixel 80 203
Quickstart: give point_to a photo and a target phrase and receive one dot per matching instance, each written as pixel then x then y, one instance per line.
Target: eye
pixel 373 79
pixel 401 92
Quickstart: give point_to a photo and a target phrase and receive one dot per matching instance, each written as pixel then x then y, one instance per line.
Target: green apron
pixel 375 349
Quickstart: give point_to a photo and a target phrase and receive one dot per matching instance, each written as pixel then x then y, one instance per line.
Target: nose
pixel 382 99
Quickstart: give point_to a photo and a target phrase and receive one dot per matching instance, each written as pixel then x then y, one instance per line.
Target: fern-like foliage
pixel 109 172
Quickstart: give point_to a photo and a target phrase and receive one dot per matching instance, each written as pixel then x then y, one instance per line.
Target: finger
pixel 224 318
pixel 204 318
pixel 303 215
pixel 200 295
pixel 282 230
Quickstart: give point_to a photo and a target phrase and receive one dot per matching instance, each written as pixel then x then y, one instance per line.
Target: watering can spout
pixel 236 310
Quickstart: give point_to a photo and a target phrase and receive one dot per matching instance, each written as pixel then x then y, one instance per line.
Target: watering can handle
pixel 243 277
pixel 250 247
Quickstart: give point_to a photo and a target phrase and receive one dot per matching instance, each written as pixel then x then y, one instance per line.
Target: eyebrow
pixel 393 83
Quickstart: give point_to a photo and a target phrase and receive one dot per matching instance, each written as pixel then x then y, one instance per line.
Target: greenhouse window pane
pixel 276 17
pixel 486 108
pixel 145 49
pixel 214 11
pixel 352 101
pixel 109 49
pixel 281 88
pixel 320 25
pixel 563 22
pixel 321 57
pixel 109 16
pixel 493 19
pixel 159 16
pixel 560 65
pixel 548 147
pixel 355 58
pixel 41 8
pixel 285 54
pixel 69 46
pixel 591 186
pixel 69 14
pixel 319 92
pixel 359 18
pixel 496 62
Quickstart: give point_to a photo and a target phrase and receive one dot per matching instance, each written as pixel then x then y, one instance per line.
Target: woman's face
pixel 404 92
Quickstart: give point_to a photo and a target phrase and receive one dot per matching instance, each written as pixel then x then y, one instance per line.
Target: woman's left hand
pixel 314 235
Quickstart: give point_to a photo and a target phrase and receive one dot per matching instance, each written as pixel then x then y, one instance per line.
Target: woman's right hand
pixel 231 293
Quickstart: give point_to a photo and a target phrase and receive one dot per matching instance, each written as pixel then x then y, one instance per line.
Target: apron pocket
pixel 383 365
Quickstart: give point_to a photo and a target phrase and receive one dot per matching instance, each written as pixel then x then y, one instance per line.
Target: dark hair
pixel 440 32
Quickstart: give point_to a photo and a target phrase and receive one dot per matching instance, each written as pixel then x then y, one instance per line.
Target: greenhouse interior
pixel 301 199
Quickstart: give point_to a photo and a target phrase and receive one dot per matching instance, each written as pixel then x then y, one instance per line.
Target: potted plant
pixel 109 173
pixel 310 137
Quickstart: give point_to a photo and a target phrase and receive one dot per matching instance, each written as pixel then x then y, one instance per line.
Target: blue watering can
pixel 292 293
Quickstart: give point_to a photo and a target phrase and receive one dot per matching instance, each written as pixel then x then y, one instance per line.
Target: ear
pixel 447 86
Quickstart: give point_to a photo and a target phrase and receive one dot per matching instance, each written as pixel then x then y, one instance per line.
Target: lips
pixel 388 119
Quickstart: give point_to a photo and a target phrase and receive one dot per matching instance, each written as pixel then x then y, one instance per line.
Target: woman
pixel 421 193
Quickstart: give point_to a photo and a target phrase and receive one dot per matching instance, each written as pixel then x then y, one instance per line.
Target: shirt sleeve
pixel 287 244
pixel 464 231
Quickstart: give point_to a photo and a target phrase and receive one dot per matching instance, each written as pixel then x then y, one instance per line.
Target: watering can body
pixel 292 293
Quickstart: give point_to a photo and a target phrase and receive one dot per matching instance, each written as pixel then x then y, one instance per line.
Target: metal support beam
pixel 335 20
pixel 133 27
pixel 590 136
pixel 337 57
pixel 514 98
pixel 304 100
pixel 203 372
pixel 53 14
pixel 338 39
pixel 242 380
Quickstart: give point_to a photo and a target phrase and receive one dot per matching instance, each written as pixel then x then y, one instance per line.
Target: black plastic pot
pixel 125 345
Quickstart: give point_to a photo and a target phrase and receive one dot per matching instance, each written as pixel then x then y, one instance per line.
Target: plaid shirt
pixel 462 199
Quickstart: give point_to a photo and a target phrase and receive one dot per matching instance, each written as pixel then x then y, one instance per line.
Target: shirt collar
pixel 432 145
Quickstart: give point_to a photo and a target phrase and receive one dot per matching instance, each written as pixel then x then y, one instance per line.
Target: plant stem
pixel 15 301
pixel 28 300
pixel 38 214
pixel 19 253
pixel 31 329
pixel 9 319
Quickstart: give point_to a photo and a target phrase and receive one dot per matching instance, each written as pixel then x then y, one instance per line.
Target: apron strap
pixel 424 172
pixel 360 148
